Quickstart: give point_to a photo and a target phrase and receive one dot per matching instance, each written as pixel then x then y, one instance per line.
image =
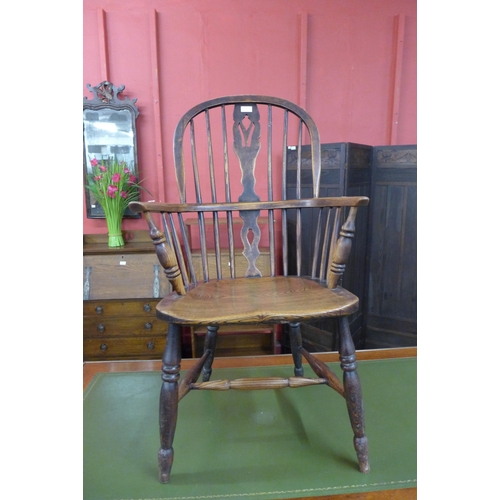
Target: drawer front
pixel 123 348
pixel 107 308
pixel 123 276
pixel 122 326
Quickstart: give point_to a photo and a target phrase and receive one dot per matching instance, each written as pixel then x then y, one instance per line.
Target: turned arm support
pixel 166 256
pixel 342 249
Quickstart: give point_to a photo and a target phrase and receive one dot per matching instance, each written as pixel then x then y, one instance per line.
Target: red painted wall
pixel 350 63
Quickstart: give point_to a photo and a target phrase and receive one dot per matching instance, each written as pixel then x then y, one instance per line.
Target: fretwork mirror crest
pixel 109 131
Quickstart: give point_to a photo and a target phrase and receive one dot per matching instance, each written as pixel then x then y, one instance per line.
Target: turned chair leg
pixel 353 396
pixel 296 345
pixel 210 341
pixel 171 365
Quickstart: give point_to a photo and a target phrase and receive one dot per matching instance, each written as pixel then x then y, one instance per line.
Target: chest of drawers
pixel 122 329
pixel 121 288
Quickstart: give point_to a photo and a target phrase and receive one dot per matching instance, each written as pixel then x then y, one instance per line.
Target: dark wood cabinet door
pixel 391 312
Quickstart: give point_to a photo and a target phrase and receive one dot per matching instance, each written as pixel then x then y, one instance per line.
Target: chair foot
pixel 353 396
pixel 165 460
pixel 361 447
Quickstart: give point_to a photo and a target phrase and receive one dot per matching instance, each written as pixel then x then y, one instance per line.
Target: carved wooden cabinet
pixel 121 288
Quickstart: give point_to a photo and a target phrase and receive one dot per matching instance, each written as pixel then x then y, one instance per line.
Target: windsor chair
pixel 220 184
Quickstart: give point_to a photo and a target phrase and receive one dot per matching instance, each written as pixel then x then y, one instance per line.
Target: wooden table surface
pixel 91 368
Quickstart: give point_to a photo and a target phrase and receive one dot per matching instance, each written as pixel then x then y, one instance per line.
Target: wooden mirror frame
pixel 117 138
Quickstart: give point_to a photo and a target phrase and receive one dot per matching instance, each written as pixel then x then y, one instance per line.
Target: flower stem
pixel 115 236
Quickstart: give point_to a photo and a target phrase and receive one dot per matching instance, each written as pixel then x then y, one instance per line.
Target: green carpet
pixel 265 445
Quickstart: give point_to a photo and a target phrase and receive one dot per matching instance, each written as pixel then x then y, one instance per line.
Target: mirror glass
pixel 108 133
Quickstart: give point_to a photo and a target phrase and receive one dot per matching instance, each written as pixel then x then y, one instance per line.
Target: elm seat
pixel 231 172
pixel 247 301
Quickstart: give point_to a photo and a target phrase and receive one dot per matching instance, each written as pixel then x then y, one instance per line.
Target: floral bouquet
pixel 114 186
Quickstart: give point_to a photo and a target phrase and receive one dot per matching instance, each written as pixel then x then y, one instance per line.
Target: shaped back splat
pixel 246 134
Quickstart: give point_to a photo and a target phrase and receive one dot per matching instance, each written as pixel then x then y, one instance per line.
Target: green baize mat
pixel 270 444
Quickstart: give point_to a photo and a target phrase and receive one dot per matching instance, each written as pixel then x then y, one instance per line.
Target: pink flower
pixel 126 170
pixel 98 177
pixel 116 177
pixel 123 194
pixel 132 179
pixel 112 191
pixel 94 162
pixel 102 168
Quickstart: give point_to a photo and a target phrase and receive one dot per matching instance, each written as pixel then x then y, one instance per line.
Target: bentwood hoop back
pixel 230 165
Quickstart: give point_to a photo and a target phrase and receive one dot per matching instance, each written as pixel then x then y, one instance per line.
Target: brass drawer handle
pixel 103 347
pixel 147 308
pixel 100 328
pixel 148 326
pixel 151 345
pixel 99 309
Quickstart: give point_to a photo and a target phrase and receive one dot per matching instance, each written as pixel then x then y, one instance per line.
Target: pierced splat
pixel 246 134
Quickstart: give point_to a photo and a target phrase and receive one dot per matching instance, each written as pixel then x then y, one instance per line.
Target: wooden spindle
pixel 203 246
pixel 230 235
pixel 272 250
pixel 226 156
pixel 194 159
pixel 317 239
pixel 247 384
pixel 284 154
pixel 284 241
pixel 185 241
pixel 298 240
pixel 213 189
pixel 326 245
pixel 217 246
pixel 298 188
pixel 192 376
pixel 269 153
pixel 322 371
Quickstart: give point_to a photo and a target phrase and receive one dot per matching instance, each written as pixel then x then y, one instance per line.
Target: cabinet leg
pixel 171 366
pixel 296 345
pixel 353 396
pixel 210 342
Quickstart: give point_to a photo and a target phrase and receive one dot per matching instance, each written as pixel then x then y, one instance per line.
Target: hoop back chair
pixel 240 201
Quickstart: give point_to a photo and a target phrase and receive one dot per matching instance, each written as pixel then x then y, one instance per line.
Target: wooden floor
pixel 91 368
